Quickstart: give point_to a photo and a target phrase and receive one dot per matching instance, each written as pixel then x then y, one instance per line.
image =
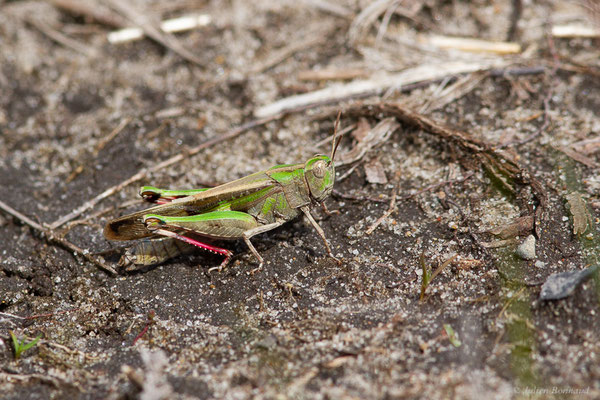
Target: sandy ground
pixel 79 115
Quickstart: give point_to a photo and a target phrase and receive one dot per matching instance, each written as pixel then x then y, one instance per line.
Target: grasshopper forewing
pixel 239 209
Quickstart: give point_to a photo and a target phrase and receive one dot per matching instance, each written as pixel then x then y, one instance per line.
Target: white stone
pixel 526 250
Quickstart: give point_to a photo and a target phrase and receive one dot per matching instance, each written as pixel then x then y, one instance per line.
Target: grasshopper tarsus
pixel 223 264
pixel 327 211
pixel 256 270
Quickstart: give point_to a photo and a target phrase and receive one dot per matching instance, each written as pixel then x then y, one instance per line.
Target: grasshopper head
pixel 319 172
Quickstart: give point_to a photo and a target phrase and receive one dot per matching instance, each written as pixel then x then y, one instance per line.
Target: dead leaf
pixel 376 136
pixel 579 212
pixel 375 172
pixel 518 227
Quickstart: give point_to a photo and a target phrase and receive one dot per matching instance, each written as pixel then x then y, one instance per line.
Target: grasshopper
pixel 239 209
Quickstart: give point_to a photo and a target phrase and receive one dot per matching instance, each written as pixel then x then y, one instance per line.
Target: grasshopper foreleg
pixel 319 230
pixel 164 196
pixel 256 231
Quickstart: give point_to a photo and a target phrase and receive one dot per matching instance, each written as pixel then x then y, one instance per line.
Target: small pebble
pixel 526 250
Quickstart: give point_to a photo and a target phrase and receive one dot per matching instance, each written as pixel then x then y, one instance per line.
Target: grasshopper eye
pixel 319 169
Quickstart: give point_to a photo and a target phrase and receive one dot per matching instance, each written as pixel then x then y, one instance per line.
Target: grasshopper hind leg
pixel 225 225
pixel 217 250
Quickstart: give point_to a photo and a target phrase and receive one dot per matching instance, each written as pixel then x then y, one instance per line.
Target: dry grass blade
pixel 329 7
pixel 458 89
pixel 587 146
pixel 575 31
pixel 473 45
pixel 367 18
pixel 332 74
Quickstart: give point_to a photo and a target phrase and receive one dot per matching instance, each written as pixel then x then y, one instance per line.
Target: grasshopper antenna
pixel 335 145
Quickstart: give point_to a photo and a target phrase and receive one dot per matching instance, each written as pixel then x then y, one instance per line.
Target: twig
pixel 173 160
pixel 515 16
pixel 350 171
pixel 143 22
pixel 347 196
pixel 61 38
pixel 443 183
pixel 577 156
pixel 91 10
pixel 5 314
pixel 281 54
pixel 38 315
pixel 538 132
pixel 112 135
pixel 52 237
pixel 382 110
pixel 43 378
pixel 389 211
pixel 424 83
